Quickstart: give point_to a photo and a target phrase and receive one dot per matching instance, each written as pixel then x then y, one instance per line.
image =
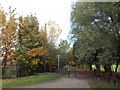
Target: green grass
pixel 30 80
pixel 101 68
pixel 112 67
pixel 96 83
pixel 81 68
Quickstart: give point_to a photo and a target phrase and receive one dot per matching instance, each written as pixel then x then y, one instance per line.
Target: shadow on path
pixel 80 75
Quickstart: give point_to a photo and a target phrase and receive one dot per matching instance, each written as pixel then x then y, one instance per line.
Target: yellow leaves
pixel 9 32
pixel 41 62
pixel 37 52
pixel 72 63
pixel 2 18
pixel 36 44
pixel 54 31
pixel 34 62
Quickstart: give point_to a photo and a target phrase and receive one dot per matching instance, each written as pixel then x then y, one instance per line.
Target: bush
pixel 7 75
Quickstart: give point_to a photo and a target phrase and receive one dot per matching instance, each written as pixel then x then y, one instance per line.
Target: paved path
pixel 64 82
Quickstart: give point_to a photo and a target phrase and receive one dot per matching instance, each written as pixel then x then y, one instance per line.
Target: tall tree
pixel 31 49
pixel 64 46
pixel 8 35
pixel 54 31
pixel 95 25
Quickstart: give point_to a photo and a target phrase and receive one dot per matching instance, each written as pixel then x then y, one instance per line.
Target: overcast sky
pixel 45 10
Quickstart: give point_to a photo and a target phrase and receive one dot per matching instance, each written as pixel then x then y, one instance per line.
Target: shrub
pixel 7 75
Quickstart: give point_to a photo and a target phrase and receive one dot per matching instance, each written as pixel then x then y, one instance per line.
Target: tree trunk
pixel 97 67
pixel 116 67
pixel 4 64
pixel 109 67
pixel 90 67
pixel 105 68
pixel 109 70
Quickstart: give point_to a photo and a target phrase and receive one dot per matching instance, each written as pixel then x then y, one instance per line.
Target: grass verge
pixel 112 67
pixel 101 68
pixel 30 80
pixel 96 83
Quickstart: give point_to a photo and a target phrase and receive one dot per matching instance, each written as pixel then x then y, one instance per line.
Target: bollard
pixel 68 72
pixel 108 80
pixel 75 73
pixel 114 82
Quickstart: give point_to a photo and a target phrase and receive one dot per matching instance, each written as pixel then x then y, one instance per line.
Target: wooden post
pixel 114 82
pixel 75 72
pixel 58 65
pixel 45 48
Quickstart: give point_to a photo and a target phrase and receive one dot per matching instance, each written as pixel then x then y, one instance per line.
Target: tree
pixel 31 50
pixel 64 46
pixel 8 35
pixel 95 27
pixel 51 58
pixel 54 31
pixel 70 58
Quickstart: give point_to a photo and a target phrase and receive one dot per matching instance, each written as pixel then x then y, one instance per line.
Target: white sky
pixel 45 10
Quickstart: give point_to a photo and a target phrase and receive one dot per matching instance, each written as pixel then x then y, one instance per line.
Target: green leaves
pixel 95 27
pixel 64 46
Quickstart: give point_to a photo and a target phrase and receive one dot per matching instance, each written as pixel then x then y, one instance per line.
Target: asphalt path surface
pixel 72 81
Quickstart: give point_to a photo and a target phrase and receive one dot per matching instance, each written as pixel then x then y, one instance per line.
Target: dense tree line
pixel 96 28
pixel 28 46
